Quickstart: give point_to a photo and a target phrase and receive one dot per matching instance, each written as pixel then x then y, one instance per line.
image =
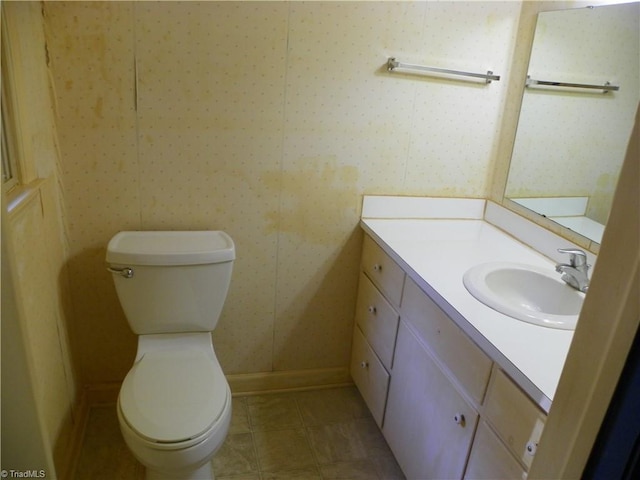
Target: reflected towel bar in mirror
pixel 393 65
pixel 607 87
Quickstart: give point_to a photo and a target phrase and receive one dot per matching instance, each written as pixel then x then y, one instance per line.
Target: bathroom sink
pixel 525 292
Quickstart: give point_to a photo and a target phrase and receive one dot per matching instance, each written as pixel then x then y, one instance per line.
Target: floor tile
pixel 355 470
pixel 310 473
pixel 331 405
pixel 387 467
pixel 283 450
pixel 269 412
pixel 325 434
pixel 236 457
pixel 104 455
pixel 255 476
pixel 337 442
pixel 354 440
pixel 239 416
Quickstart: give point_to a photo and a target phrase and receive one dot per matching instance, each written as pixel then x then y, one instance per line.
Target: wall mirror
pixel 571 140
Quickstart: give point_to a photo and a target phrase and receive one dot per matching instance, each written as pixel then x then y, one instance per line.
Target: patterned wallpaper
pixel 268 120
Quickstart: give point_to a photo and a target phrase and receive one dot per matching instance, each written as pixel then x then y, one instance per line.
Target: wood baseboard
pixel 245 383
pixel 265 382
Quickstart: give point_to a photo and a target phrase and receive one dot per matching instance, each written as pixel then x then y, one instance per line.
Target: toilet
pixel 174 406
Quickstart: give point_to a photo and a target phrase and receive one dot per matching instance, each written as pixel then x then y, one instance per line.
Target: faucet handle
pixel 577 257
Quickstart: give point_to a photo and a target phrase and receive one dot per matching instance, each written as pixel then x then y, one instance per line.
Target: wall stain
pixel 318 200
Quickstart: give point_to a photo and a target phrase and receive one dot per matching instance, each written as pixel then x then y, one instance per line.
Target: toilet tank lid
pixel 170 248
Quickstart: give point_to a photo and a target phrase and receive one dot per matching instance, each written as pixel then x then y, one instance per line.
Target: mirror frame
pixel 514 99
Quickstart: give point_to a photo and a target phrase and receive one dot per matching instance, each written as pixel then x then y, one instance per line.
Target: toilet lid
pixel 173 395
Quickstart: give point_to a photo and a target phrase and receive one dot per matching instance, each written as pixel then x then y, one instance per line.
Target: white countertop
pixel 436 254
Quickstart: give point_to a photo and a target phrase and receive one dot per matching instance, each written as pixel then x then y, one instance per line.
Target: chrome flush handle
pixel 126 272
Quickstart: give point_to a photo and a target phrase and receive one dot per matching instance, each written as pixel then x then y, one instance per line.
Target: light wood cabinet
pixel 429 425
pixel 382 270
pixel 369 375
pixel 375 326
pixel 509 433
pixel 514 417
pixel 490 459
pixel 445 409
pixel 377 319
pixel 452 348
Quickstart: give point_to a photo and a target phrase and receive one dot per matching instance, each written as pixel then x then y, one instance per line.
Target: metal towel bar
pixel 393 64
pixel 607 87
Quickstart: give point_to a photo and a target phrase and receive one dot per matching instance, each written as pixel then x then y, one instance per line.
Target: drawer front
pixel 514 417
pixel 490 459
pixel 382 270
pixel 377 319
pixel 369 376
pixel 456 352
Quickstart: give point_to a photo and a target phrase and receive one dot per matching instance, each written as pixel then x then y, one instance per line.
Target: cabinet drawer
pixel 369 376
pixel 514 417
pixel 490 459
pixel 453 348
pixel 382 270
pixel 377 319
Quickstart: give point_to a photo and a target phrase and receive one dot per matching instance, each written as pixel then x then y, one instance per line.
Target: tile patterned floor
pixel 312 435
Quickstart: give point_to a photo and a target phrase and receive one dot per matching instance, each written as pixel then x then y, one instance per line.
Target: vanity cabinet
pixel 376 326
pixel 382 270
pixel 517 421
pixel 509 433
pixel 490 459
pixel 429 425
pixel 465 363
pixel 445 409
pixel 439 381
pixel 369 375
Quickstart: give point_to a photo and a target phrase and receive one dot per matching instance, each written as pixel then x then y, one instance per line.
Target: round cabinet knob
pixel 377 268
pixel 459 419
pixel 364 364
pixel 531 448
pixel 373 309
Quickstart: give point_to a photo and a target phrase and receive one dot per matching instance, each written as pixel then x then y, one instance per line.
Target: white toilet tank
pixel 171 282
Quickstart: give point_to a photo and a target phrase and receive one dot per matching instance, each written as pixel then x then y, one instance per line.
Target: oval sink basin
pixel 525 292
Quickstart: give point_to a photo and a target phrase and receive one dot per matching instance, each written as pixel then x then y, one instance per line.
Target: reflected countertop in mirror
pixel 570 142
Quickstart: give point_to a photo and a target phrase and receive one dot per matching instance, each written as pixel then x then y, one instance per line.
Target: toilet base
pixel 205 472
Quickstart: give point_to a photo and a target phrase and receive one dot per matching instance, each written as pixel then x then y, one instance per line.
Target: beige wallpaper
pixel 268 120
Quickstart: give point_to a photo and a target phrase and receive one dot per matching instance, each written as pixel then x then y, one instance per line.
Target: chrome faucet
pixel 575 272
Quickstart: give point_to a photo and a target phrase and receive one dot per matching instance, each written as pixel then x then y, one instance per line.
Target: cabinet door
pixel 514 417
pixel 369 375
pixel 449 344
pixel 490 459
pixel 428 424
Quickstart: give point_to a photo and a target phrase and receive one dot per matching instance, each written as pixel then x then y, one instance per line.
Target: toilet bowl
pixel 174 406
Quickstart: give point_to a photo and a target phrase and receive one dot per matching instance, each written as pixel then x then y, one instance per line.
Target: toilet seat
pixel 173 396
